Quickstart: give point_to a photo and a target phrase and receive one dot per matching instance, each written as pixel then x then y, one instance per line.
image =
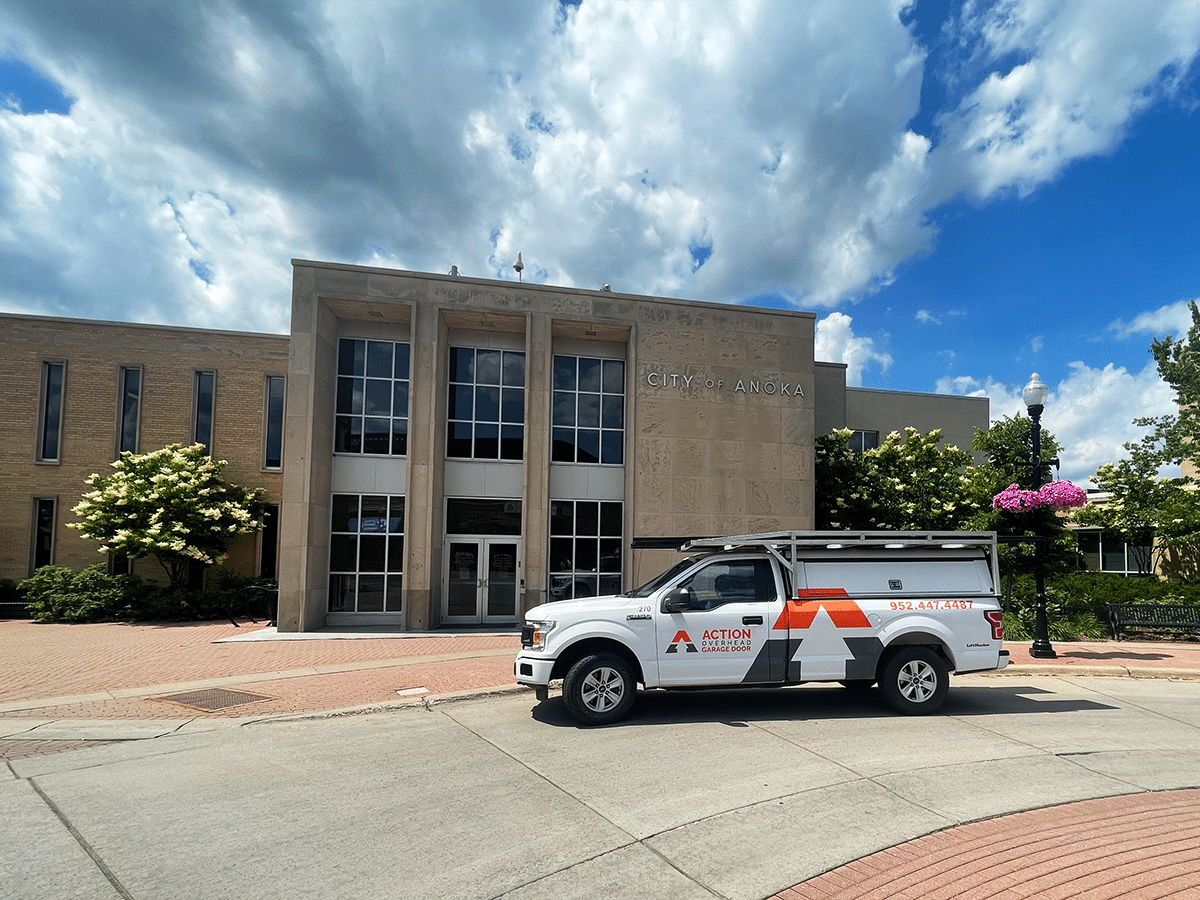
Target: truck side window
pixel 737 581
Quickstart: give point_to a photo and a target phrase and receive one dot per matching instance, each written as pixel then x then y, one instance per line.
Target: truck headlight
pixel 541 631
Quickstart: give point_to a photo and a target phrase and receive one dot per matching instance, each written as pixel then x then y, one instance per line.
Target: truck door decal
pixel 844 612
pixel 819 648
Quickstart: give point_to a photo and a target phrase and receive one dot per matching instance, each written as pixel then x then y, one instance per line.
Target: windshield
pixel 654 584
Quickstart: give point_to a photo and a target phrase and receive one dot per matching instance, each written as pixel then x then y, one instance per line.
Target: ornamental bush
pixel 56 594
pixel 910 482
pixel 171 504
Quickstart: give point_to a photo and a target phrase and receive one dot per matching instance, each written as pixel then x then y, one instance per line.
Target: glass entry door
pixel 481 580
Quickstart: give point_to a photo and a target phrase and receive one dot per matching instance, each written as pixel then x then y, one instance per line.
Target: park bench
pixel 1133 615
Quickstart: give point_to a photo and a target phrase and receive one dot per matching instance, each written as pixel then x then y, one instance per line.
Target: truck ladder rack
pixel 784 544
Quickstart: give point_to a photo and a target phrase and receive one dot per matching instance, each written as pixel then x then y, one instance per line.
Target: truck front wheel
pixel 915 680
pixel 599 689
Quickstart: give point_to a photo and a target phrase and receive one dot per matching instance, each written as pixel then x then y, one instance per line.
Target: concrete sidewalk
pixel 123 689
pixel 1026 786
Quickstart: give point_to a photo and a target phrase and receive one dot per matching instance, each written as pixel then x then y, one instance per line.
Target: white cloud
pixel 642 145
pixel 837 342
pixel 1085 70
pixel 720 151
pixel 1090 412
pixel 1174 319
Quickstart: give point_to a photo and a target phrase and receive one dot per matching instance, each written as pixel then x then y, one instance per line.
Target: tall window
pixel 589 410
pixel 129 404
pixel 372 398
pixel 269 542
pixel 44 515
pixel 50 414
pixel 273 423
pixel 366 553
pixel 202 415
pixel 486 404
pixel 585 548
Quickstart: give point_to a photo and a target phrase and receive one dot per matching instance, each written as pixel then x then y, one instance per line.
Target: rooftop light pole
pixel 1035 394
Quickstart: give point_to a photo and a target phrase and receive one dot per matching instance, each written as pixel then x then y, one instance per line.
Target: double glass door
pixel 481 580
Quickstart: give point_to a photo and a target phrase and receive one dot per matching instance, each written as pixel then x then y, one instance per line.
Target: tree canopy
pixel 171 504
pixel 909 482
pixel 1144 508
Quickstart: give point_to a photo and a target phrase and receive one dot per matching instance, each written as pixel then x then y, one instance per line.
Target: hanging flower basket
pixel 1057 495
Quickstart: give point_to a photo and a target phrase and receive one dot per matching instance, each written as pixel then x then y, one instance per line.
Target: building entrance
pixel 480 580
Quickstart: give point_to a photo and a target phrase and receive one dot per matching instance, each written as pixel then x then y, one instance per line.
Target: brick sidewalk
pixel 1139 847
pixel 122 671
pixel 119 671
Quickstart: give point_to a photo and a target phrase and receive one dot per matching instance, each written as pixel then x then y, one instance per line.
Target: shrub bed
pixel 1077 604
pixel 57 594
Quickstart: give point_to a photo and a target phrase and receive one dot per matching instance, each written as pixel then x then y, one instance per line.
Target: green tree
pixel 910 482
pixel 1173 437
pixel 1144 508
pixel 171 504
pixel 1007 446
pixel 845 485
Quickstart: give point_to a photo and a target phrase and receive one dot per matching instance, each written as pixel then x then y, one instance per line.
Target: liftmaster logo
pixel 714 640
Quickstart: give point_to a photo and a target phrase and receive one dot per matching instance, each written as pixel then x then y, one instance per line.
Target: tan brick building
pixel 77 392
pixel 454 450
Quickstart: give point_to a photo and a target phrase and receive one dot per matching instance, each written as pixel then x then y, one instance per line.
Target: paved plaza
pixel 159 761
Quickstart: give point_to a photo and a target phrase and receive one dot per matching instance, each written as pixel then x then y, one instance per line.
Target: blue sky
pixel 963 192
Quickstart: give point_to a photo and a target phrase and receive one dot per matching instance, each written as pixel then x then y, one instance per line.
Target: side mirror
pixel 678 600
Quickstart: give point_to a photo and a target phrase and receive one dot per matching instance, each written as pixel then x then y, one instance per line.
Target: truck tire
pixel 599 689
pixel 915 680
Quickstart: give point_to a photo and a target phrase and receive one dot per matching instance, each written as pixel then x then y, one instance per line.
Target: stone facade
pixel 719 422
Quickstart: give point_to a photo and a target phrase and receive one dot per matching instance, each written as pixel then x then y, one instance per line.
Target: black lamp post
pixel 1035 394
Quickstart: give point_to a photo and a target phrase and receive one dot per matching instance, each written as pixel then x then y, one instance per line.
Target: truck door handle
pixel 751 620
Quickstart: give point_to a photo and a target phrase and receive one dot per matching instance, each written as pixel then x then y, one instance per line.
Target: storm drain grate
pixel 214 698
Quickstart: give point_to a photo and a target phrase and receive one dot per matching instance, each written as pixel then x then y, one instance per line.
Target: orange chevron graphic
pixel 844 612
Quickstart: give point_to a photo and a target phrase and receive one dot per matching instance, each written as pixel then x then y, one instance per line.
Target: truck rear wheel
pixel 915 680
pixel 599 689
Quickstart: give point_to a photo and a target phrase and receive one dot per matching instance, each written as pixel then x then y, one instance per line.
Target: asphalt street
pixel 732 794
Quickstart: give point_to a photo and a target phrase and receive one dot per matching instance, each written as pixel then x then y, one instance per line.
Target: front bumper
pixel 532 669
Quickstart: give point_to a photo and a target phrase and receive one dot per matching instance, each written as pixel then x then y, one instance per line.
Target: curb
pixel 1105 671
pixel 428 701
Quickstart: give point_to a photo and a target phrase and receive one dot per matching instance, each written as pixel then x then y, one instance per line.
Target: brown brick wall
pixel 94 353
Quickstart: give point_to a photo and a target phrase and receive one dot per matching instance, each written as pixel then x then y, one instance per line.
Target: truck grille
pixel 526 635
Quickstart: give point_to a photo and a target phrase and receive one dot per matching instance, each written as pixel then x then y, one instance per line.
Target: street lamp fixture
pixel 1035 394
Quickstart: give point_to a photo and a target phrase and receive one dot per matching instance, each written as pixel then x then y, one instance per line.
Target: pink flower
pixel 1062 495
pixel 1057 495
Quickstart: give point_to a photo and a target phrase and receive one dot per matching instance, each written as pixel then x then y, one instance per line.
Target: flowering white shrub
pixel 910 482
pixel 171 504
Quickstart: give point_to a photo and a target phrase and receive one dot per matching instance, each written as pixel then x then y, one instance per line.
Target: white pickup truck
pixel 904 609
